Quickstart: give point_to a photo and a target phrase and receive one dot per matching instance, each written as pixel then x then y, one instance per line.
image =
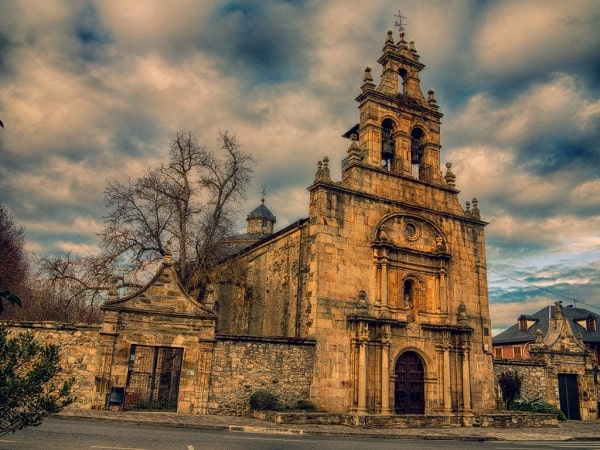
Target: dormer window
pixel 522 324
pixel 590 324
pixel 526 322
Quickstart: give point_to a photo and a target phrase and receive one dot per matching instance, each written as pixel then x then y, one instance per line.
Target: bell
pixel 416 156
pixel 387 152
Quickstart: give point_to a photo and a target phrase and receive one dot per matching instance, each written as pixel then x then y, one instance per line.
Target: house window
pixel 517 353
pixel 498 352
pixel 522 325
pixel 590 324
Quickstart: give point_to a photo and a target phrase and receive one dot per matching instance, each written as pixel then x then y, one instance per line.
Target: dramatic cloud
pixel 95 90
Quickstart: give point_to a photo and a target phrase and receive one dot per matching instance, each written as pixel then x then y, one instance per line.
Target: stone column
pixel 442 293
pixel 446 379
pixel 385 370
pixel 363 339
pixel 466 379
pixel 384 279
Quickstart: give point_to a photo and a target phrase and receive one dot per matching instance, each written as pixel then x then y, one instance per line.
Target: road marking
pixel 116 448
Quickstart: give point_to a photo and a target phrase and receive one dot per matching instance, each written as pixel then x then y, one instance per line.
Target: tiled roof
pixel 514 335
pixel 261 212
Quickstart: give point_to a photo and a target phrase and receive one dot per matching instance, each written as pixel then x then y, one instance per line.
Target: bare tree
pixel 14 265
pixel 188 202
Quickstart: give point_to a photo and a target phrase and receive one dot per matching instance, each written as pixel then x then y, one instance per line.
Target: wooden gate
pixel 568 394
pixel 153 378
pixel 410 387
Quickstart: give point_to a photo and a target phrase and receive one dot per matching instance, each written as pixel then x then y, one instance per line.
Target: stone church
pixel 386 273
pixel 376 304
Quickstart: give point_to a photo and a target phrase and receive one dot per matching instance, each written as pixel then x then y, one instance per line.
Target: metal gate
pixel 410 387
pixel 153 378
pixel 568 394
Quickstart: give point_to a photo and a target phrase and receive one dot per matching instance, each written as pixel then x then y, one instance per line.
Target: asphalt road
pixel 64 434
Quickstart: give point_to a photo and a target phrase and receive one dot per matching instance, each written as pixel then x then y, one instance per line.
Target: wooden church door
pixel 410 389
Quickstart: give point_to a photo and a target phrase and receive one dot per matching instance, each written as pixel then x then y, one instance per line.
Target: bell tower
pixel 399 129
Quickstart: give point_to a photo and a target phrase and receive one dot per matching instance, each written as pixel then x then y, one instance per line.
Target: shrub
pixel 536 404
pixel 510 384
pixel 263 401
pixel 29 389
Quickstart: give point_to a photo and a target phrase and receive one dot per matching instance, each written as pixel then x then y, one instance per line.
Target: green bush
pixel 536 404
pixel 263 401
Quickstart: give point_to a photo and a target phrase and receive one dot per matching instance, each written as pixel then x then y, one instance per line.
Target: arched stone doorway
pixel 410 387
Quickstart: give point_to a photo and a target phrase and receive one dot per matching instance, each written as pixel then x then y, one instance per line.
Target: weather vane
pixel 400 23
pixel 264 192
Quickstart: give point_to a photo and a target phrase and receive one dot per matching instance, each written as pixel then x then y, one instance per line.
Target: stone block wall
pixel 244 364
pixel 78 350
pixel 533 377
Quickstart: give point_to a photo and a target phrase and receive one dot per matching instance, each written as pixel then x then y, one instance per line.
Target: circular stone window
pixel 411 231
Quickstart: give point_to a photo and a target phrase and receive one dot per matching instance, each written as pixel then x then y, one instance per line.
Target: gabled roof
pixel 542 318
pixel 164 294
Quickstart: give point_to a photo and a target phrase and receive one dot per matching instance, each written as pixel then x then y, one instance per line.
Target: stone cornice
pixel 266 339
pixel 397 203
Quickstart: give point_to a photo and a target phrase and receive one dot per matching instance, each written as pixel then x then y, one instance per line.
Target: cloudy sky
pixel 95 90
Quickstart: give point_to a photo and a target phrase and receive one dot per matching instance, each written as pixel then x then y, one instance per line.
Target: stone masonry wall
pixel 533 377
pixel 244 364
pixel 78 350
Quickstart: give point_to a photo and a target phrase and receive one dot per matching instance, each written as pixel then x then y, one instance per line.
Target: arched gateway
pixel 410 391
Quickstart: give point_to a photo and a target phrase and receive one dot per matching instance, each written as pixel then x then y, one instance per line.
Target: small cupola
pixel 261 220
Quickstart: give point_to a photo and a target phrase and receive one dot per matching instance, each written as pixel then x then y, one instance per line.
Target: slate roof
pixel 514 335
pixel 261 212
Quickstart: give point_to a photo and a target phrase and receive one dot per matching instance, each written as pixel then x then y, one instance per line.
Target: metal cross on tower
pixel 400 23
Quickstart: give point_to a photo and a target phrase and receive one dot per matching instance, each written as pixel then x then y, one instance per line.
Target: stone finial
pixel 468 209
pixel 539 336
pixel 431 97
pixel 362 300
pixel 319 172
pixel 402 41
pixel 368 80
pixel 168 256
pixel 325 174
pixel 368 77
pixel 450 177
pixel 558 312
pixel 413 49
pixel 475 211
pixel 354 151
pixel 389 39
pixel 209 298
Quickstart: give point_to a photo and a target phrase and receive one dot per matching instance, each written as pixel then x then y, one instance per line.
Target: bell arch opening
pixel 417 150
pixel 388 150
